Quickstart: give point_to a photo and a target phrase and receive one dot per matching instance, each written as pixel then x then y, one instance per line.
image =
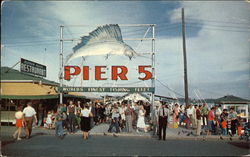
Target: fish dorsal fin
pixel 104 33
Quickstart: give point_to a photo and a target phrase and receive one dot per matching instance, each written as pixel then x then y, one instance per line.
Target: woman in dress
pixel 49 120
pixel 19 123
pixel 85 121
pixel 141 119
pixel 176 114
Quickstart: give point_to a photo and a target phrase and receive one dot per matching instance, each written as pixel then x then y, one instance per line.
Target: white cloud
pixel 213 55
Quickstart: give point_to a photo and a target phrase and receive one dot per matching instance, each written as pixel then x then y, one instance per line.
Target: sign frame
pixel 108 89
pixel 30 67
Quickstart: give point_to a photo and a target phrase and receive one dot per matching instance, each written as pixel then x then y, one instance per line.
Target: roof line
pixel 26 81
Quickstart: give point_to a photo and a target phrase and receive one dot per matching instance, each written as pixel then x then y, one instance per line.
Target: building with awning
pixel 241 105
pixel 17 85
pixel 17 88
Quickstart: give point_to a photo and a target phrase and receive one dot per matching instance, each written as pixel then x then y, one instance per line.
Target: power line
pixel 35 44
pixel 216 21
pixel 169 88
pixel 212 25
pixel 206 27
pixel 28 42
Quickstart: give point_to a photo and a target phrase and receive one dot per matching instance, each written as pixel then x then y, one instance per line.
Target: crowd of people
pixel 128 117
pixel 213 120
pixel 83 116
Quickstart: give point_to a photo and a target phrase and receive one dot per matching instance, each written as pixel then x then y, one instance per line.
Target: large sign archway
pixel 151 52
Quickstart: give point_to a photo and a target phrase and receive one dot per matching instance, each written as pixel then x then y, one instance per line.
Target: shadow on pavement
pixel 10 141
pixel 245 145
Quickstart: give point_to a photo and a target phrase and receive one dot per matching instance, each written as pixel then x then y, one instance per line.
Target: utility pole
pixel 184 58
pixel 153 69
pixel 61 63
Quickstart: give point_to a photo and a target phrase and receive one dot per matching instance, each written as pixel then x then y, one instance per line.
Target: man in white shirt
pixel 115 119
pixel 218 112
pixel 29 114
pixel 190 115
pixel 163 121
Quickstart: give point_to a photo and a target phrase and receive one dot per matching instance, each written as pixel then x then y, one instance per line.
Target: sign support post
pixel 153 67
pixel 61 63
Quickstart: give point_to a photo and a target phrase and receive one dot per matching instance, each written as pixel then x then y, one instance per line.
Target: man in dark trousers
pixel 72 116
pixel 92 110
pixel 163 121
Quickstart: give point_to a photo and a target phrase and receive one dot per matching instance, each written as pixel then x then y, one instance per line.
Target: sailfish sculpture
pixel 105 40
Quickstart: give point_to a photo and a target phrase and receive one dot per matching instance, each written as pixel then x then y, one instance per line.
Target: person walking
pixel 135 114
pixel 19 123
pixel 78 117
pixel 218 112
pixel 175 115
pixel 92 109
pixel 190 115
pixel 232 116
pixel 204 112
pixel 115 120
pixel 128 117
pixel 163 121
pixel 49 121
pixel 198 117
pixel 59 124
pixel 224 127
pixel 121 110
pixel 85 121
pixel 29 114
pixel 71 111
pixel 40 115
pixel 210 118
pixel 181 115
pixel 141 119
pixel 155 120
pixel 195 107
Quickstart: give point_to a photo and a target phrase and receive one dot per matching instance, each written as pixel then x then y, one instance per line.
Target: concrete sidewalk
pixel 102 130
pixel 180 133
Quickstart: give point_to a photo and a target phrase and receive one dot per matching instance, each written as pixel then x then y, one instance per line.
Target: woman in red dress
pixel 19 124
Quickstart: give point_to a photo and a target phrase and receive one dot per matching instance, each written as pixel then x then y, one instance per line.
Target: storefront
pixel 240 105
pixel 18 88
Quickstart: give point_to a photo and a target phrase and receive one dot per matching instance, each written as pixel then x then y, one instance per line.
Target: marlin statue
pixel 104 40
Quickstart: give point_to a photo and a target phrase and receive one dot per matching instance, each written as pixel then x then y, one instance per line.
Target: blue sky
pixel 217 38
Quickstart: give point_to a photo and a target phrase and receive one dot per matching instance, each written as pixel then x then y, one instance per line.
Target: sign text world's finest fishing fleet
pixel 107 89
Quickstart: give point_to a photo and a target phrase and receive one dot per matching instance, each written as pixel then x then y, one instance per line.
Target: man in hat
pixel 163 121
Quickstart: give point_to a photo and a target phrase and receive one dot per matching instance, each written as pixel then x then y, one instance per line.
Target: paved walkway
pixel 102 129
pixel 172 133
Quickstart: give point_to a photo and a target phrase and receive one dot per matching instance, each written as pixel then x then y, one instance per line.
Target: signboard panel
pixel 32 68
pixel 107 89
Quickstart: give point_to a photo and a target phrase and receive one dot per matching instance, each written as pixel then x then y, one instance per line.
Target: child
pixel 216 127
pixel 224 127
pixel 19 123
pixel 239 126
pixel 49 120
